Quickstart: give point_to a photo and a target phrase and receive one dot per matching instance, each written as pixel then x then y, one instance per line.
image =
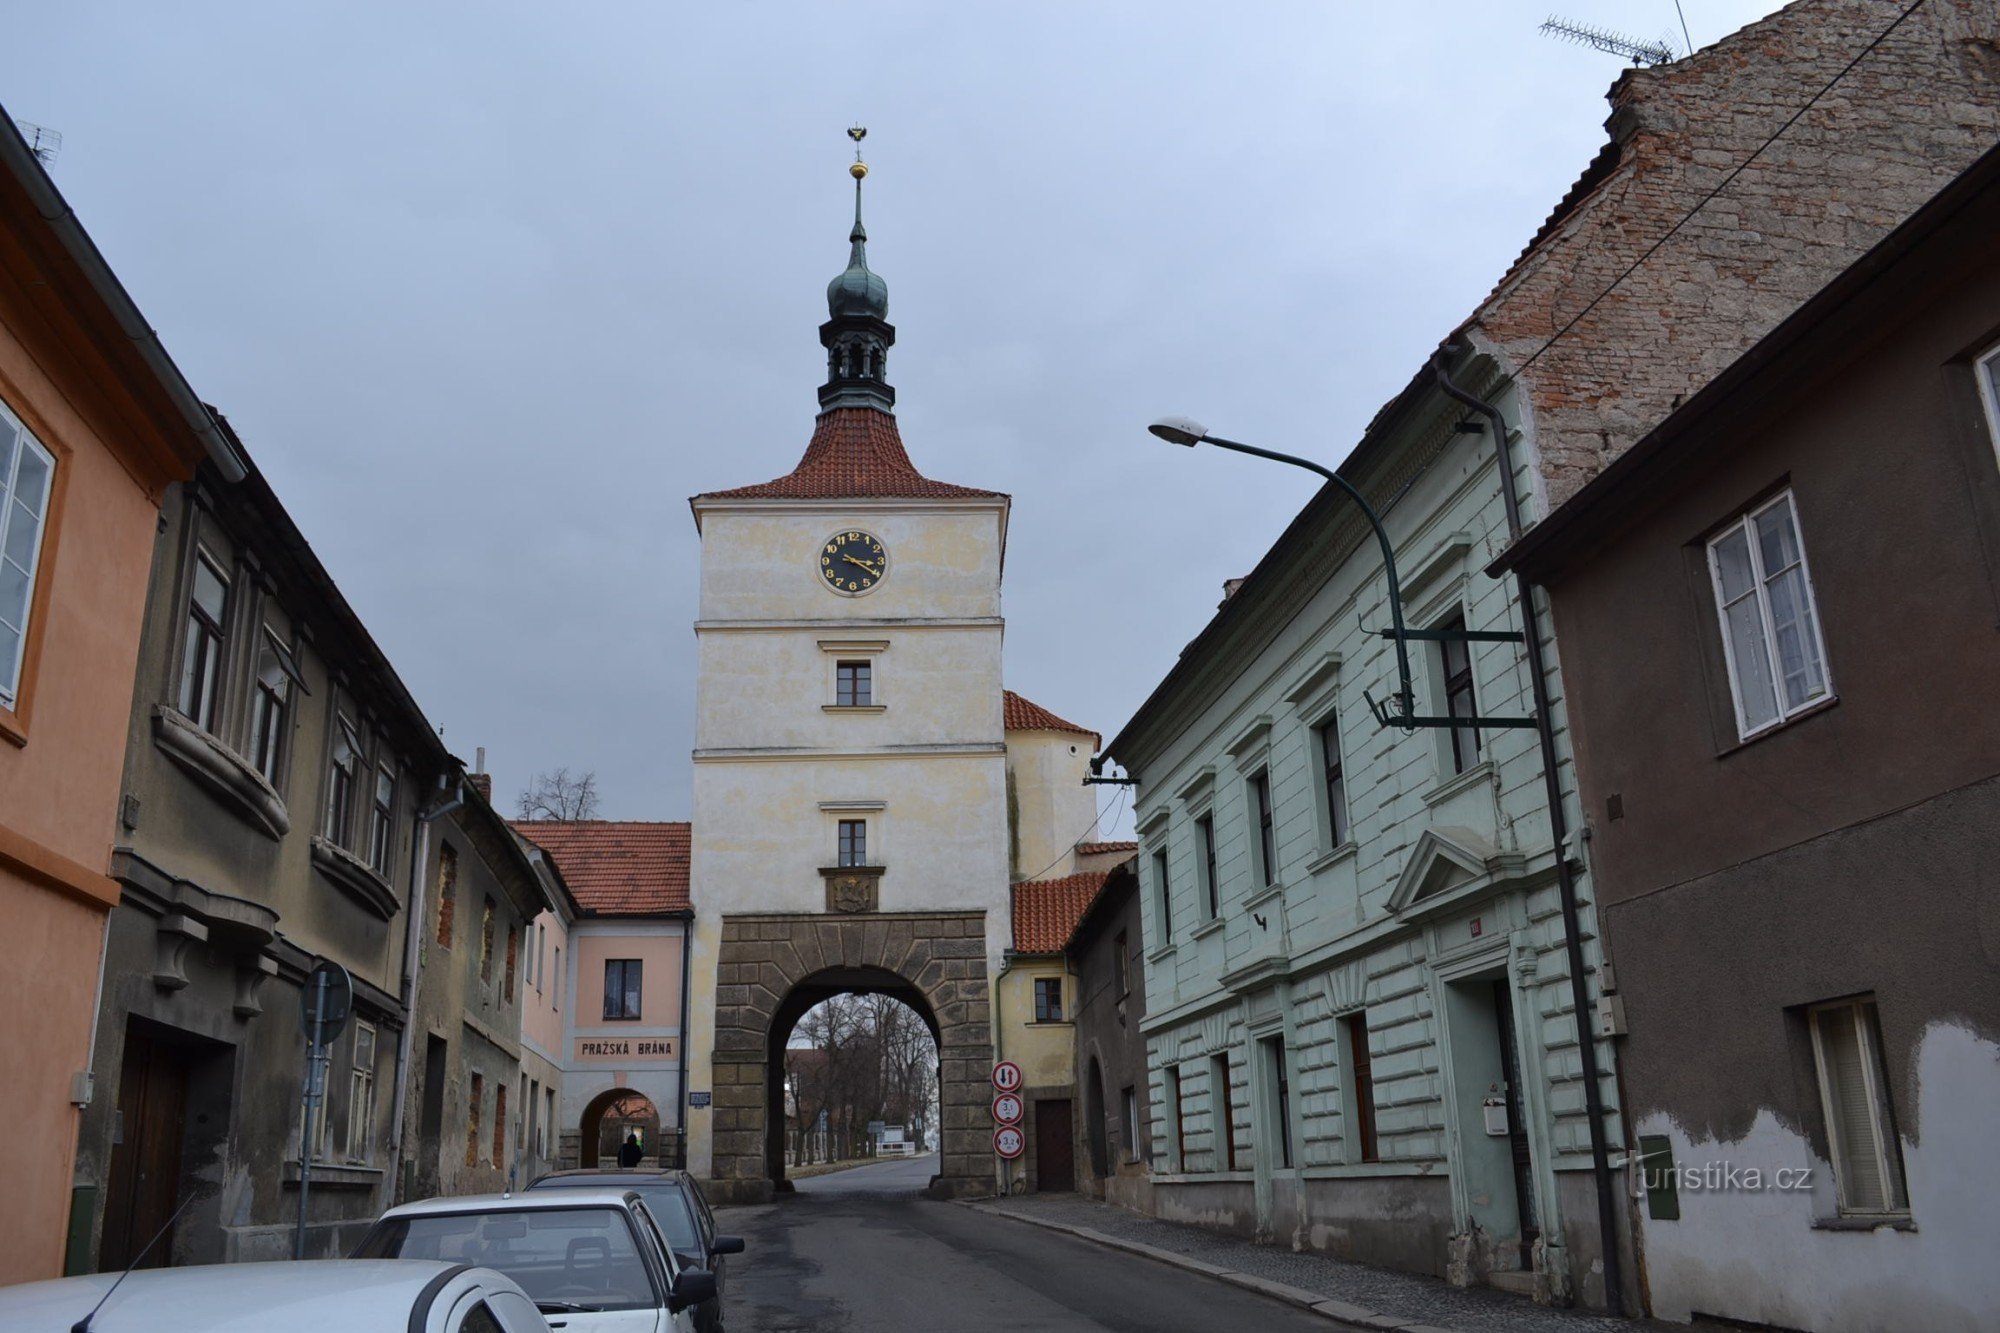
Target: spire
pixel 857 334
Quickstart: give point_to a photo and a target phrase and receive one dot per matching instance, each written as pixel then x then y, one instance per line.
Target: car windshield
pixel 585 1257
pixel 666 1198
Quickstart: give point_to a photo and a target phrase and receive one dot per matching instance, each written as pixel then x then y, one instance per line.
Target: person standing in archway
pixel 630 1153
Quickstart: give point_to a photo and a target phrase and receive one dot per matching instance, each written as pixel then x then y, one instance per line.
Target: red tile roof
pixel 616 867
pixel 1104 848
pixel 1023 715
pixel 1047 910
pixel 855 453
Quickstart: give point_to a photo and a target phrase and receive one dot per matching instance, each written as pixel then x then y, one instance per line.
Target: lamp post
pixel 1181 430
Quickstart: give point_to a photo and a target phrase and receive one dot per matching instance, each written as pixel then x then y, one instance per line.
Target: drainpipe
pixel 1593 1096
pixel 413 936
pixel 687 961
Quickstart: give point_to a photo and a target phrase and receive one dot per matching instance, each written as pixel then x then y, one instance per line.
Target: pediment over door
pixel 1450 862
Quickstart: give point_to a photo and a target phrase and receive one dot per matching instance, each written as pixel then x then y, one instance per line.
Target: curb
pixel 1340 1313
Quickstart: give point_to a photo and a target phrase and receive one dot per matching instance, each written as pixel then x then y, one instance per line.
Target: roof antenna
pixel 1657 52
pixel 83 1325
pixel 43 142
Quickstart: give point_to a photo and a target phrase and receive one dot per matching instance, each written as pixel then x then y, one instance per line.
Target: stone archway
pixel 607 1119
pixel 771 969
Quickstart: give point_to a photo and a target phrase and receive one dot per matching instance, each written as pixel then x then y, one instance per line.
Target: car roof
pixel 494 1203
pixel 638 1175
pixel 232 1298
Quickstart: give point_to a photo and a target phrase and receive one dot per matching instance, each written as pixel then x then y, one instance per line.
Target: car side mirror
pixel 692 1287
pixel 727 1245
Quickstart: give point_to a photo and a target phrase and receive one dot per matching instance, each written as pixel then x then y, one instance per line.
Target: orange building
pixel 95 423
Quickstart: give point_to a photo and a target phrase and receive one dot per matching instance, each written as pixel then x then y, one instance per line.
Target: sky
pixel 490 289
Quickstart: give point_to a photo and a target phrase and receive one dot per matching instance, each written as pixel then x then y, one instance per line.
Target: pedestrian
pixel 630 1153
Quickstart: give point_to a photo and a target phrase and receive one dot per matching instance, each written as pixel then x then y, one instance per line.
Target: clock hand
pixel 864 564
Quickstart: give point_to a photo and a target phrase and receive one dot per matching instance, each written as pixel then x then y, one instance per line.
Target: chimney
pixel 481 780
pixel 1229 587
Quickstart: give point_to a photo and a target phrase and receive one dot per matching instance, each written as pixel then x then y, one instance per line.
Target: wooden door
pixel 145 1174
pixel 1055 1147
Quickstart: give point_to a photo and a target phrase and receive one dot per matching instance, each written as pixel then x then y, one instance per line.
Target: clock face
pixel 852 562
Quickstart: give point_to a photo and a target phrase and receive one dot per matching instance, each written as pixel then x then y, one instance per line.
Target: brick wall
pixel 1914 112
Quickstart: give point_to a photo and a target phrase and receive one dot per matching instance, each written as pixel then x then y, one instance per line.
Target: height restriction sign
pixel 1007 1109
pixel 1007 1076
pixel 1009 1141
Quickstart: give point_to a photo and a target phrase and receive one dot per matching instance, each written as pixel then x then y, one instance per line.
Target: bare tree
pixel 558 794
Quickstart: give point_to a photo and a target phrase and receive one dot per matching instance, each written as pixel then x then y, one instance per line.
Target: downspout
pixel 413 936
pixel 687 961
pixel 1586 1039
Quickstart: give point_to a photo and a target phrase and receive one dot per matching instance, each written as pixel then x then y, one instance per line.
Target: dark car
pixel 675 1200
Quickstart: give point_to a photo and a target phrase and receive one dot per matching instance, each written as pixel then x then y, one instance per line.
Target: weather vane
pixel 860 168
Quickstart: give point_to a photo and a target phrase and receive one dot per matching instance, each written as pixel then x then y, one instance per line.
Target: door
pixel 1517 1124
pixel 430 1123
pixel 1055 1147
pixel 145 1175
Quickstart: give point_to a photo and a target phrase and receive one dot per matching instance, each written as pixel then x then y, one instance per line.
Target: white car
pixel 592 1260
pixel 354 1296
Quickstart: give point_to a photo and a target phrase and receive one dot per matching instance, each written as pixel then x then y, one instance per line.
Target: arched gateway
pixel 853 822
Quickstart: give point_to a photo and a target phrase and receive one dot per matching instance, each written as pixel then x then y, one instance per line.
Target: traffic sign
pixel 326 1001
pixel 1009 1141
pixel 1007 1076
pixel 1007 1109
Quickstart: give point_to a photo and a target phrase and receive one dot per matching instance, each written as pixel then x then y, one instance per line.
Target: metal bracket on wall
pixel 1388 715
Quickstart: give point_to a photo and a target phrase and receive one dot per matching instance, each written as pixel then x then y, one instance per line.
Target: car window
pixel 664 1195
pixel 586 1256
pixel 479 1319
pixel 652 1229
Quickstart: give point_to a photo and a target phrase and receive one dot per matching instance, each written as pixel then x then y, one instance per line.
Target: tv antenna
pixel 43 142
pixel 1659 51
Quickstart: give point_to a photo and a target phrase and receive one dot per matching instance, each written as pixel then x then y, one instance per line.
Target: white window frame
pixel 1986 369
pixel 12 671
pixel 207 650
pixel 361 1094
pixel 1854 1010
pixel 1760 589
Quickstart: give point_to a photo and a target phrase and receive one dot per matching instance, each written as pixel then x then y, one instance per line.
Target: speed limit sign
pixel 1007 1109
pixel 1007 1076
pixel 1009 1141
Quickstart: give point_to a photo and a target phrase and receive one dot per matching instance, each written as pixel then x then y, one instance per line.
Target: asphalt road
pixel 865 1258
pixel 902 1175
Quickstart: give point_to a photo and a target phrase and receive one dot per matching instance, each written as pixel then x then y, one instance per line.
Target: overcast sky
pixel 490 289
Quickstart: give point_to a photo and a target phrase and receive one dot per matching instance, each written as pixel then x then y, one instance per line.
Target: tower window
pixel 854 842
pixel 853 685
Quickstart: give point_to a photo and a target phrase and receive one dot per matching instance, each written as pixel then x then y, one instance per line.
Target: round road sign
pixel 1009 1141
pixel 326 1001
pixel 1007 1076
pixel 1007 1109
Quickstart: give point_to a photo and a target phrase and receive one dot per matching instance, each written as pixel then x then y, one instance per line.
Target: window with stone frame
pixel 271 706
pixel 853 842
pixel 382 821
pixel 1265 829
pixel 1204 829
pixel 1333 780
pixel 1460 698
pixel 27 477
pixel 361 1094
pixel 1163 886
pixel 343 775
pixel 207 641
pixel 853 685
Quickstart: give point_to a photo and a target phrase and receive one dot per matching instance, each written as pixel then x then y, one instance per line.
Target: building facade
pixel 1106 953
pixel 543 1038
pixel 1812 986
pixel 94 426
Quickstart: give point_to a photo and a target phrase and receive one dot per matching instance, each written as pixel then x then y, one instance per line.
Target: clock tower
pixel 850 826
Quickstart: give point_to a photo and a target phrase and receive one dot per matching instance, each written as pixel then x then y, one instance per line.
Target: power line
pixel 1110 816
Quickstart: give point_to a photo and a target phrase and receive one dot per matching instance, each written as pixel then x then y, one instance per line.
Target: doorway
pixel 430 1123
pixel 1055 1147
pixel 162 1075
pixel 1493 1133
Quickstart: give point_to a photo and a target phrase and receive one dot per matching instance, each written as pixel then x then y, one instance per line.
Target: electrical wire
pixel 1110 816
pixel 1726 181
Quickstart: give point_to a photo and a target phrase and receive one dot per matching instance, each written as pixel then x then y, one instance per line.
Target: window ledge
pixel 1332 856
pixel 1458 782
pixel 1866 1222
pixel 354 877
pixel 335 1176
pixel 1207 928
pixel 225 774
pixel 855 708
pixel 1162 953
pixel 1786 724
pixel 1269 893
pixel 1050 1023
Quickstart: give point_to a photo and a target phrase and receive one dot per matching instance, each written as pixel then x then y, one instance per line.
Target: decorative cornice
pixel 222 772
pixel 355 877
pixel 1316 677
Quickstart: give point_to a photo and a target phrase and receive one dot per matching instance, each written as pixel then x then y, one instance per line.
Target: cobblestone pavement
pixel 1406 1297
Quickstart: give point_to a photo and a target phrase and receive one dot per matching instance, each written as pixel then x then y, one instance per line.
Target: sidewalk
pixel 1351 1295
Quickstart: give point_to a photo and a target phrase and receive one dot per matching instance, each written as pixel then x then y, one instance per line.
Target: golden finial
pixel 860 168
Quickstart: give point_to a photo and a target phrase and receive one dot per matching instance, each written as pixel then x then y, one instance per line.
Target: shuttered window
pixel 1854 1095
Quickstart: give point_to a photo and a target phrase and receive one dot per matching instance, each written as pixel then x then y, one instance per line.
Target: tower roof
pixel 855 453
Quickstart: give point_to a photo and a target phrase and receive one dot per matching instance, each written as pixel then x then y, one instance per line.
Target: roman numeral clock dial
pixel 852 562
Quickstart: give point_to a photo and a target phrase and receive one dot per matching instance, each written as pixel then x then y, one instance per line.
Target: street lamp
pixel 1184 430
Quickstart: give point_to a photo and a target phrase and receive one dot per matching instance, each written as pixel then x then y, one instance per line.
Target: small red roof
pixel 616 867
pixel 855 453
pixel 1024 715
pixel 1104 848
pixel 1046 910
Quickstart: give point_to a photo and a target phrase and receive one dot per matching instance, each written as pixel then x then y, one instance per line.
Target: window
pixel 1360 1090
pixel 1176 1098
pixel 541 956
pixel 513 955
pixel 532 1137
pixel 1281 1098
pixel 1048 1000
pixel 621 987
pixel 1987 371
pixel 852 685
pixel 1164 888
pixel 1854 1095
pixel 201 659
pixel 1260 809
pixel 382 821
pixel 341 779
pixel 1204 829
pixel 447 892
pixel 486 940
pixel 472 1121
pixel 1333 781
pixel 1459 701
pixel 1770 628
pixel 270 708
pixel 361 1094
pixel 1121 967
pixel 500 1125
pixel 548 1115
pixel 854 842
pixel 1130 1100
pixel 1222 1112
pixel 26 470
pixel 555 1001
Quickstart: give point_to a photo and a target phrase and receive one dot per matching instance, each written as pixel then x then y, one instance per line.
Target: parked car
pixel 352 1295
pixel 676 1200
pixel 592 1261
